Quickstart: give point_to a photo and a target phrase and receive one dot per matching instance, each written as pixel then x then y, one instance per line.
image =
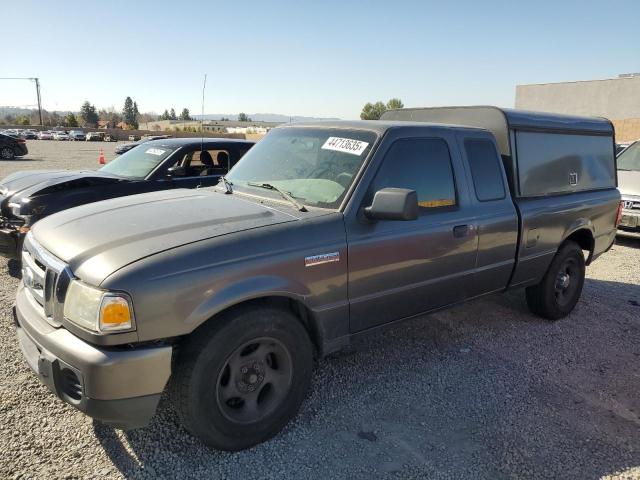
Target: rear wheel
pixel 560 289
pixel 239 382
pixel 7 153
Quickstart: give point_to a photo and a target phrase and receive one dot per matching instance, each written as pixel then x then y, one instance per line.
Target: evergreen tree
pixel 70 120
pixel 88 115
pixel 129 113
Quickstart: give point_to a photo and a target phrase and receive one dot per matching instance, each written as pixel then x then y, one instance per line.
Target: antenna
pixel 204 85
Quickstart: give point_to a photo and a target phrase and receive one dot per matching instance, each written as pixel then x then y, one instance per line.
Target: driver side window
pixel 420 164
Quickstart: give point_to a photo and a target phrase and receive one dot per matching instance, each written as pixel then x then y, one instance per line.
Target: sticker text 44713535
pixel 346 145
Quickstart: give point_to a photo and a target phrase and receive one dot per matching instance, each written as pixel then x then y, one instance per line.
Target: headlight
pixel 96 309
pixel 15 209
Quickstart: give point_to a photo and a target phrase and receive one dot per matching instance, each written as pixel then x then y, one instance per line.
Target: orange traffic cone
pixel 101 158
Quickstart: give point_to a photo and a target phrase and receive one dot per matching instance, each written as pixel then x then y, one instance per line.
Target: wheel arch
pixel 260 292
pixel 583 236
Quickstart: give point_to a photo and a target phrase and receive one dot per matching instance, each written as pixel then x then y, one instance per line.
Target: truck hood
pixel 29 183
pixel 99 238
pixel 629 182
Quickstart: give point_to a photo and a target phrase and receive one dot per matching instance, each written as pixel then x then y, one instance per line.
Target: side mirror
pixel 176 171
pixel 393 204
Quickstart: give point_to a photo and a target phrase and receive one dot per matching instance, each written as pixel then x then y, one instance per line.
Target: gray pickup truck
pixel 225 295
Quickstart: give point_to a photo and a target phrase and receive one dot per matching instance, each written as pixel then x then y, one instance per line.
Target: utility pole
pixel 39 101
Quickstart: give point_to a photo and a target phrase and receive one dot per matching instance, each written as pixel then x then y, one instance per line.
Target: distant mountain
pixel 16 111
pixel 263 117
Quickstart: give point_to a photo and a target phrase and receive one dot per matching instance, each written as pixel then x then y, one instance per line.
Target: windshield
pixel 138 162
pixel 316 166
pixel 629 159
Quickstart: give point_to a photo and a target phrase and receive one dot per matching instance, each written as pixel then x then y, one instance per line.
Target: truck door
pixel 495 213
pixel 402 268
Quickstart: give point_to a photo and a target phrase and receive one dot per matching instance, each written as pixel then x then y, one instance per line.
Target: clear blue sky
pixel 318 58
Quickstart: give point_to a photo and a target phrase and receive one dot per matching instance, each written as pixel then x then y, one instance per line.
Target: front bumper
pixel 118 386
pixel 630 220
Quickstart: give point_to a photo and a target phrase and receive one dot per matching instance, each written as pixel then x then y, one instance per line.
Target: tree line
pixel 373 111
pixel 171 115
pixel 89 116
pixel 131 116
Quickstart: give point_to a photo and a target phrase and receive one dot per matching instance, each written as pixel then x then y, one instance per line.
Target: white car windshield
pixel 138 162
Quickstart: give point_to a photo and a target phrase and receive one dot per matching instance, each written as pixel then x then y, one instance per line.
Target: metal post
pixel 39 101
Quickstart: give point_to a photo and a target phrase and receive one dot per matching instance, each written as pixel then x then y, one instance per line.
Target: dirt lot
pixel 485 390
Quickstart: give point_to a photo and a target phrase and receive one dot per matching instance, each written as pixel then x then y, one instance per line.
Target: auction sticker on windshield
pixel 346 145
pixel 155 151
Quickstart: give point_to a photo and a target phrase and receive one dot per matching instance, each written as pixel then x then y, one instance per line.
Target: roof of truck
pixel 500 121
pixel 378 126
pixel 515 118
pixel 527 118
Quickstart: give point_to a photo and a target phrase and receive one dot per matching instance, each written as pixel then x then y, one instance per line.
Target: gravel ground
pixel 484 390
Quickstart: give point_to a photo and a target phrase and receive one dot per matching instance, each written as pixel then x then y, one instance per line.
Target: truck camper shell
pixel 543 153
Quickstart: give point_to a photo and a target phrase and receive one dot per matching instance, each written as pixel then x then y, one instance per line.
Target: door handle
pixel 460 231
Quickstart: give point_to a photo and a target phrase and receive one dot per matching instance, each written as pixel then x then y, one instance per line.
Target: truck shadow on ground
pixel 484 390
pixel 628 239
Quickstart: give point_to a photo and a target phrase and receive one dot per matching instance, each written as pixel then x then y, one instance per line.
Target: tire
pixel 559 291
pixel 230 393
pixel 7 153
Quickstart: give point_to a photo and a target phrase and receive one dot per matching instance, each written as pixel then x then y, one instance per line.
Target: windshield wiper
pixel 283 194
pixel 227 184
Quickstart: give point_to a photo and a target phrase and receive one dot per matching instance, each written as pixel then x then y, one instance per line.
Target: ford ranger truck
pixel 322 232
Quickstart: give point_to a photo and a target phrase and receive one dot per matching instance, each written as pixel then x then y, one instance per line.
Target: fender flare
pixel 582 224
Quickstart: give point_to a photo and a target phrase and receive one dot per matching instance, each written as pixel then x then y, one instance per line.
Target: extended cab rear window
pixel 420 164
pixel 485 169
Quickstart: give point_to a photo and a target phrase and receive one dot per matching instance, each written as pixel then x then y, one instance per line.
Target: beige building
pixel 617 99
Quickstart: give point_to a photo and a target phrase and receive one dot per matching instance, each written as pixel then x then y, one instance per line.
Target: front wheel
pixel 240 381
pixel 560 289
pixel 7 153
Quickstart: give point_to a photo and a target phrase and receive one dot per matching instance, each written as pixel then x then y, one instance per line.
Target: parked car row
pixel 24 134
pixel 319 233
pixel 61 134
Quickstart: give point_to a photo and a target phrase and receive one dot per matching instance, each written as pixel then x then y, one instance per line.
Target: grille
pixel 71 385
pixel 43 274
